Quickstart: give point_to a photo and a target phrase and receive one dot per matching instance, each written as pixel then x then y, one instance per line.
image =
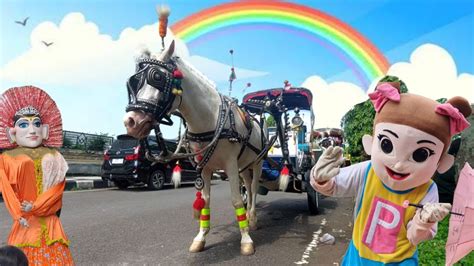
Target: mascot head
pixel 411 135
pixel 29 118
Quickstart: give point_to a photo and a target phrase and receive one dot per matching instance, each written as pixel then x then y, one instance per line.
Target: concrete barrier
pixel 84 169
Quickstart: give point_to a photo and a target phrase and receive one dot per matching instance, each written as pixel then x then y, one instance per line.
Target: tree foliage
pixel 98 143
pixel 271 121
pixel 359 121
pixel 67 143
pixel 356 123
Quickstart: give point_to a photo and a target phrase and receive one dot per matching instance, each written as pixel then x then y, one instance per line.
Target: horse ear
pixel 165 56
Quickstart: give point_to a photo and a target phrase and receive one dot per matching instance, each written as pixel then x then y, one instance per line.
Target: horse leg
pixel 246 243
pixel 204 219
pixel 257 172
pixel 247 176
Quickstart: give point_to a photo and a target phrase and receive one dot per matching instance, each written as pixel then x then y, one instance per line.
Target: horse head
pixel 151 93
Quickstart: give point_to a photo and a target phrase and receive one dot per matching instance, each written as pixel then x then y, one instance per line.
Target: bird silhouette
pixel 23 23
pixel 47 43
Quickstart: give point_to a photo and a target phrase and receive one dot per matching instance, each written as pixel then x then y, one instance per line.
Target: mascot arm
pixel 346 183
pixel 418 230
pixel 50 201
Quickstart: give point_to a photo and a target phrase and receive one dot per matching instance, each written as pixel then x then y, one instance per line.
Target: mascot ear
pixel 367 143
pixel 165 56
pixel 45 131
pixel 11 134
pixel 446 161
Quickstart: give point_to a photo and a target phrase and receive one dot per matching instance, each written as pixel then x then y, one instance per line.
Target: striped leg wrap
pixel 241 214
pixel 205 218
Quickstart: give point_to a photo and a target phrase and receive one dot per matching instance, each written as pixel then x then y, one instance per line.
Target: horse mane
pixel 183 64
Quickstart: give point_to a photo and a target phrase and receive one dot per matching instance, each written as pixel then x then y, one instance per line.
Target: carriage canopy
pixel 295 97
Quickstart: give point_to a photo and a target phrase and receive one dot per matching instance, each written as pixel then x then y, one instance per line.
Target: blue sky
pixel 397 28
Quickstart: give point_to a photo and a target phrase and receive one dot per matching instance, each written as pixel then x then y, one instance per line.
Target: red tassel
pixel 176 176
pixel 198 205
pixel 284 178
pixel 177 169
pixel 285 171
pixel 177 74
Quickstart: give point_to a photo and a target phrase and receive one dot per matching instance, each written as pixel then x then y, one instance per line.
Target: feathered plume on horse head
pixel 163 12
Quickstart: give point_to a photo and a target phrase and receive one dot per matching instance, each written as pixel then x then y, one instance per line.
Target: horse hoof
pixel 247 249
pixel 197 246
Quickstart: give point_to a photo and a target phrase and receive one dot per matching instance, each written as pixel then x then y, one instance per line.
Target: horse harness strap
pixel 224 133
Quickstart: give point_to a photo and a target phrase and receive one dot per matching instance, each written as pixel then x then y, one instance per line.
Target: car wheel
pixel 121 184
pixel 313 200
pixel 156 180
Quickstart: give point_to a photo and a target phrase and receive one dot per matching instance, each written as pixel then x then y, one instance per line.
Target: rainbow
pixel 365 56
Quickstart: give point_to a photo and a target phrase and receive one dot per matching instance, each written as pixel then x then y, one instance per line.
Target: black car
pixel 125 164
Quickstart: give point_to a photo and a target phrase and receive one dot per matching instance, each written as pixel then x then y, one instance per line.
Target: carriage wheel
pixel 313 200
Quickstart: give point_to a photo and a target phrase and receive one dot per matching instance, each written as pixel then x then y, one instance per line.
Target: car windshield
pixel 126 143
pixel 170 144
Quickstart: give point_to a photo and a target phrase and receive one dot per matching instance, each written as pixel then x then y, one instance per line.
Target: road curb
pixel 80 184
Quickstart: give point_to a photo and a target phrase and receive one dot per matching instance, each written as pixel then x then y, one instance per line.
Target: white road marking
pixel 311 245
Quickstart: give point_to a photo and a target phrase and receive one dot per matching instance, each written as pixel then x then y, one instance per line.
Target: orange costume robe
pixel 21 179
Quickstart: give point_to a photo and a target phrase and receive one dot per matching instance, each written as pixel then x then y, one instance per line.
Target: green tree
pixel 67 143
pixel 270 121
pixel 356 123
pixel 359 121
pixel 98 142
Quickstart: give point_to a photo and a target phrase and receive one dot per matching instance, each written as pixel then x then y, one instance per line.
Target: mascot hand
pixel 328 164
pixel 24 222
pixel 26 206
pixel 434 212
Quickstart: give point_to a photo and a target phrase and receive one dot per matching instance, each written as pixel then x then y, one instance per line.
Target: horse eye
pixel 156 76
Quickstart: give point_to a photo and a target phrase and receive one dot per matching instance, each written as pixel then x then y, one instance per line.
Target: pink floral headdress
pixel 17 98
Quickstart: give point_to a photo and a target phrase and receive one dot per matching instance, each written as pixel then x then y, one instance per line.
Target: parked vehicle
pixel 125 164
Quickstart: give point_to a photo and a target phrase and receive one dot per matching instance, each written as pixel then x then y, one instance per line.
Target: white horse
pixel 235 142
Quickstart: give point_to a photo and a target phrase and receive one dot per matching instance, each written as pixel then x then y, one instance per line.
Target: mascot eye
pixel 422 154
pixel 385 144
pixel 156 76
pixel 23 125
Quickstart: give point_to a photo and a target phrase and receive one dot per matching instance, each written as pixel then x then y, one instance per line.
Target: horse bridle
pixel 158 75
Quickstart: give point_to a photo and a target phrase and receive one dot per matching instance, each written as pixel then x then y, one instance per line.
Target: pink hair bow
pixel 382 94
pixel 457 121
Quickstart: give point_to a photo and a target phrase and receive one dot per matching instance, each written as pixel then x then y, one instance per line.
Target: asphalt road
pixel 137 227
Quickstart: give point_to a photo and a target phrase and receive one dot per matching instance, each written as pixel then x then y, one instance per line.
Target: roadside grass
pixel 433 252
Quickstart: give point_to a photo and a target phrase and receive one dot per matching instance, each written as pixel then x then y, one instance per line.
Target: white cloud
pixel 332 100
pixel 84 67
pixel 80 55
pixel 431 72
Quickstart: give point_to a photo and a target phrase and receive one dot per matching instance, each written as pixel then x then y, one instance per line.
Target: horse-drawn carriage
pixel 296 150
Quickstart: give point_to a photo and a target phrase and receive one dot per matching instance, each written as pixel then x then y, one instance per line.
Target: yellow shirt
pixel 380 228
